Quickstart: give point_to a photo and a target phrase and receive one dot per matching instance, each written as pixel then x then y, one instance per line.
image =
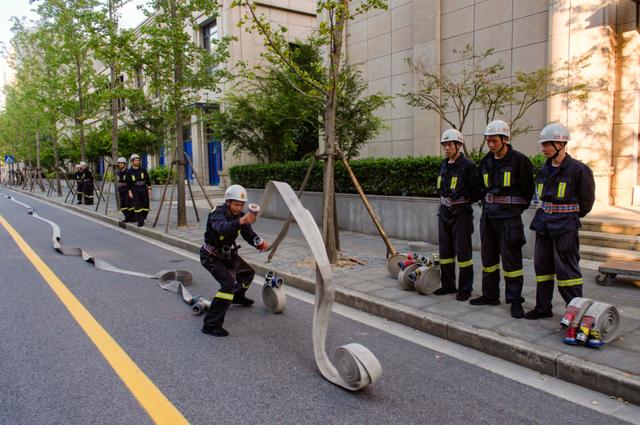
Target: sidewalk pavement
pixel 613 369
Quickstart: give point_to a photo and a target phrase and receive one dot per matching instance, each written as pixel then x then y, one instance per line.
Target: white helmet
pixel 83 164
pixel 134 156
pixel 235 192
pixel 497 128
pixel 121 159
pixel 555 132
pixel 452 135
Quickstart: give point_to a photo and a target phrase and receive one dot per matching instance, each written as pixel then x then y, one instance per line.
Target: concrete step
pixel 212 192
pixel 614 226
pixel 599 253
pixel 610 240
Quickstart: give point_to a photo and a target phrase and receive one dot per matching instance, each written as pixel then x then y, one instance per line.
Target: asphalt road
pixel 52 373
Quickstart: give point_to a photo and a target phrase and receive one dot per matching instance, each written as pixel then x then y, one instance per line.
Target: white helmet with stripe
pixel 555 132
pixel 497 128
pixel 235 192
pixel 452 135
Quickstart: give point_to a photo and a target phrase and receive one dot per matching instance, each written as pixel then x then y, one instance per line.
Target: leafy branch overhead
pixel 480 84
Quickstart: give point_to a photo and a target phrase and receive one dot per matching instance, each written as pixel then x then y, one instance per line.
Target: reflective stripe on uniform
pixel 447 260
pixel 507 178
pixel 140 210
pixel 515 273
pixel 570 282
pixel 439 182
pixel 485 177
pixel 246 285
pixel 562 187
pixel 454 183
pixel 540 187
pixel 491 269
pixel 545 277
pixel 224 295
pixel 463 264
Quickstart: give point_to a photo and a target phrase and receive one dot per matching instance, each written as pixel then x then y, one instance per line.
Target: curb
pixel 551 362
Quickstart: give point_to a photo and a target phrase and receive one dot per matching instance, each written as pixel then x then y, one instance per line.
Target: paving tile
pixel 484 319
pixel 416 300
pixel 367 287
pixel 389 293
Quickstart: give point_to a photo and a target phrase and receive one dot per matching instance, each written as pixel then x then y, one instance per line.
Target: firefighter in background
pixel 458 186
pixel 219 255
pixel 507 185
pixel 126 205
pixel 87 183
pixel 79 183
pixel 566 190
pixel 139 186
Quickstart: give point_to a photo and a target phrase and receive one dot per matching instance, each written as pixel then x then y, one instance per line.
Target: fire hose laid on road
pixel 356 367
pixel 590 322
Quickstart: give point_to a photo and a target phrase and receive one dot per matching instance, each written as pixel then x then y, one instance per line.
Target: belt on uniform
pixel 448 202
pixel 121 184
pixel 490 198
pixel 140 184
pixel 551 208
pixel 224 252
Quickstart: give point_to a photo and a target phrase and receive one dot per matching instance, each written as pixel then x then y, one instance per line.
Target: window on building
pixel 209 35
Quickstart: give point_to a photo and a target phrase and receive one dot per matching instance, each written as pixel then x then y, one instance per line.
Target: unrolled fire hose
pixel 590 322
pixel 169 280
pixel 356 367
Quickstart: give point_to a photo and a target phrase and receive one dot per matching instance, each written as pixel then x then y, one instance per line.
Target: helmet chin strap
pixel 503 144
pixel 555 155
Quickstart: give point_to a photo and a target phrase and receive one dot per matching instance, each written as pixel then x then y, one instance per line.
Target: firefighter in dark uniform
pixel 139 185
pixel 87 183
pixel 458 186
pixel 566 190
pixel 219 255
pixel 126 205
pixel 79 183
pixel 507 186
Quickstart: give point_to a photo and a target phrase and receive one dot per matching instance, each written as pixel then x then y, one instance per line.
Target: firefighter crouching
pixel 139 185
pixel 566 190
pixel 219 255
pixel 459 186
pixel 507 186
pixel 126 205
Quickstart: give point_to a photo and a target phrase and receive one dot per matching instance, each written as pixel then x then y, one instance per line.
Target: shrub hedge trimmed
pixel 411 176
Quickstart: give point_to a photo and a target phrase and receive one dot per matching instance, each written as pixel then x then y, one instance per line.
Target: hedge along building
pixel 208 156
pixel 526 36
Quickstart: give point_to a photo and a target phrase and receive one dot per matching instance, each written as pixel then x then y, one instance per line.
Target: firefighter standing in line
pixel 507 185
pixel 126 206
pixel 219 255
pixel 87 183
pixel 566 190
pixel 79 183
pixel 139 185
pixel 459 186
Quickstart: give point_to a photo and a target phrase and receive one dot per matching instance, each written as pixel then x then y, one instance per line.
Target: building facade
pixel 526 36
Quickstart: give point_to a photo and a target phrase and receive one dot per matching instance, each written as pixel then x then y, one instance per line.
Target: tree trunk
pixel 114 108
pixel 177 79
pixel 56 156
pixel 38 150
pixel 80 115
pixel 331 104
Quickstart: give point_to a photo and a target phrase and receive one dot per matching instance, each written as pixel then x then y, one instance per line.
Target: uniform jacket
pixel 570 183
pixel 223 228
pixel 121 176
pixel 511 175
pixel 458 181
pixel 137 175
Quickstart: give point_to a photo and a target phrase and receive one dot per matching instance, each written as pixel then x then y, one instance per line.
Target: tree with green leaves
pixel 335 14
pixel 71 26
pixel 180 68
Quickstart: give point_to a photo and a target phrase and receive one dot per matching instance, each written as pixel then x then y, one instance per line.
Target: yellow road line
pixel 148 395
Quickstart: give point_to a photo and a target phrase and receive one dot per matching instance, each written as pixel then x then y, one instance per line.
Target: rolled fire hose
pixel 403 276
pixel 427 279
pixel 273 294
pixel 600 321
pixel 356 367
pixel 575 310
pixel 169 280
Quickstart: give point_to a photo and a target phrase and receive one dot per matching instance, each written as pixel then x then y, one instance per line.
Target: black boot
pixel 535 315
pixel 240 298
pixel 517 312
pixel 482 300
pixel 219 331
pixel 444 291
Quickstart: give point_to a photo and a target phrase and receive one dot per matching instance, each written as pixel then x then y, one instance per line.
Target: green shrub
pixel 412 176
pixel 160 174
